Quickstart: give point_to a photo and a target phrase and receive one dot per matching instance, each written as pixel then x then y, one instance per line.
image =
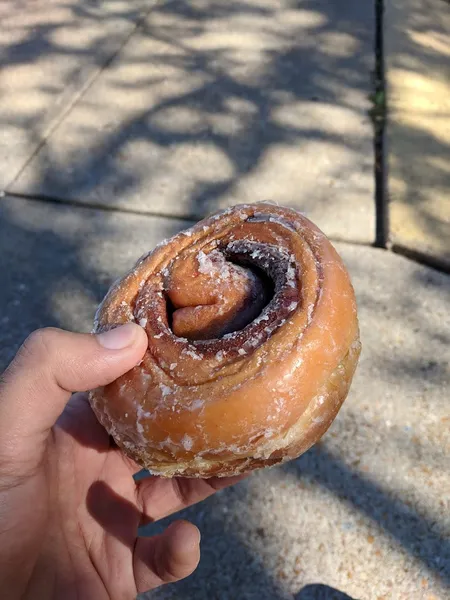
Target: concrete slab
pixel 417 50
pixel 366 513
pixel 50 52
pixel 214 103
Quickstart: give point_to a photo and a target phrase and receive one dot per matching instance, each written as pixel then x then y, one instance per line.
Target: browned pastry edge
pixel 312 425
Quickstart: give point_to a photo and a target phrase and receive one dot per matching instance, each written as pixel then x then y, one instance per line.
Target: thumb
pixel 50 366
pixel 168 557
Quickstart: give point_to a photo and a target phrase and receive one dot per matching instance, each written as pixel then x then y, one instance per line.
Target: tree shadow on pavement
pixel 416 55
pixel 45 284
pixel 185 102
pixel 58 263
pixel 422 538
pixel 50 53
pixel 220 102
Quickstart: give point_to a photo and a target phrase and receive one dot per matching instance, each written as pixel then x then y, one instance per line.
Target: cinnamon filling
pixel 210 295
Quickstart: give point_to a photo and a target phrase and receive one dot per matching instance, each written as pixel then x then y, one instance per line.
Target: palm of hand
pixel 95 507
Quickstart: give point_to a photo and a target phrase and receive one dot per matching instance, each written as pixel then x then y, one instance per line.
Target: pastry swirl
pixel 252 344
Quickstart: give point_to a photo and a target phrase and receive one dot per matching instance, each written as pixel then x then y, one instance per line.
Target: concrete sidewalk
pixel 207 104
pixel 119 118
pixel 50 53
pixel 417 56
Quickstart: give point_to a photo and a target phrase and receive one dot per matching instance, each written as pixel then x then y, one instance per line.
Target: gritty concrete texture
pixel 50 52
pixel 213 103
pixel 417 54
pixel 365 514
pixel 58 263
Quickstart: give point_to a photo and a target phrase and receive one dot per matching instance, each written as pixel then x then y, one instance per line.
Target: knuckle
pixel 38 351
pixel 39 344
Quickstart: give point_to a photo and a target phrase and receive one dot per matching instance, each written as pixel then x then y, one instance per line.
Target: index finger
pixel 158 497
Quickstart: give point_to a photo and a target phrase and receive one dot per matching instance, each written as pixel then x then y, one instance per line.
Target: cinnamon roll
pixel 252 344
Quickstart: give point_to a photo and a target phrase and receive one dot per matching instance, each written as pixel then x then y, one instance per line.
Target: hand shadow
pixel 319 591
pixel 118 516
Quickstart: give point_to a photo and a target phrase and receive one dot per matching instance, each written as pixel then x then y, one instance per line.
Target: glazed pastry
pixel 252 345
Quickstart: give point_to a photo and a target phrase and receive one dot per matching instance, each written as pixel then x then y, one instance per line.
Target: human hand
pixel 69 506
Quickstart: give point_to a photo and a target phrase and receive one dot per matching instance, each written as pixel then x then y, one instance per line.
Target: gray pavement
pixel 50 53
pixel 366 512
pixel 212 103
pixel 58 263
pixel 417 42
pixel 154 110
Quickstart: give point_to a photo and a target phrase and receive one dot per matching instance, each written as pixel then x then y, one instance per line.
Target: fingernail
pixel 118 338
